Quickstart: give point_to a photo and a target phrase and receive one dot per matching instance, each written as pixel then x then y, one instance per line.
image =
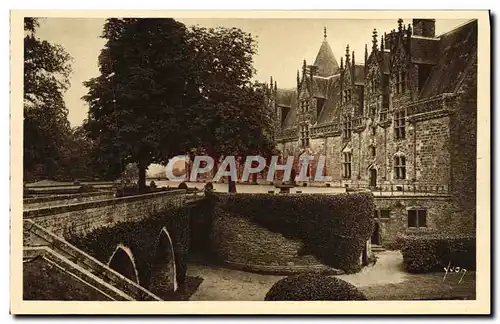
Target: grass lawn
pixel 425 287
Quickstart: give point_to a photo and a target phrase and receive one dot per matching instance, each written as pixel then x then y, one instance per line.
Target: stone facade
pixel 404 121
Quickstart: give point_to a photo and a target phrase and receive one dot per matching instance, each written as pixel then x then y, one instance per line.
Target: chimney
pixel 424 27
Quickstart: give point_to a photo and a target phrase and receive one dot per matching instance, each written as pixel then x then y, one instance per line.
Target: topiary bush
pixel 434 252
pixel 313 287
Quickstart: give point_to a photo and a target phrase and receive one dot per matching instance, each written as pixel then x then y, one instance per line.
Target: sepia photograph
pixel 268 158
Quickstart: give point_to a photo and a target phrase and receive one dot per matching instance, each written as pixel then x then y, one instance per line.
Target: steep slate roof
pixel 325 60
pixel 319 87
pixel 424 50
pixel 330 108
pixel 284 97
pixel 359 74
pixel 288 98
pixel 455 51
pixel 386 62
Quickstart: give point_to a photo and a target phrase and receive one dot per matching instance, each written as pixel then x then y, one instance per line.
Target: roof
pixel 386 62
pixel 319 87
pixel 284 97
pixel 456 49
pixel 330 109
pixel 359 74
pixel 424 50
pixel 325 60
pixel 288 98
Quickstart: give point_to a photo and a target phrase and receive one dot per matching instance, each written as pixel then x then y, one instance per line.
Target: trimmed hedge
pixel 333 228
pixel 313 287
pixel 430 253
pixel 142 238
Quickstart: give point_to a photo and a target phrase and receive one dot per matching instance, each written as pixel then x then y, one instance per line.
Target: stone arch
pixel 163 268
pixel 122 261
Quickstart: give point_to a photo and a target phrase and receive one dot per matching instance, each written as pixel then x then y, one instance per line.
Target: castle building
pixel 402 124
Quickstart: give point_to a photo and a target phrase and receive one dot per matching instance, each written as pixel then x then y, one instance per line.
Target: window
pixel 374 131
pixel 417 218
pixel 400 124
pixel 347 127
pixel 347 95
pixel 399 167
pixel 347 165
pixel 382 213
pixel 304 106
pixel 304 135
pixel 373 150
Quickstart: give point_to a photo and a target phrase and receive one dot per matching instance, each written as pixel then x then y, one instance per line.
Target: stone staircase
pixel 38 242
pixel 378 248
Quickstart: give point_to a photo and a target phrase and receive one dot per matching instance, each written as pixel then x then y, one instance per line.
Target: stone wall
pixel 82 218
pixel 244 245
pixel 57 200
pixel 439 216
pixel 463 145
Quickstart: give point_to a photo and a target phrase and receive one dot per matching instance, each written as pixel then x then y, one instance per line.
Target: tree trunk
pixel 232 185
pixel 141 183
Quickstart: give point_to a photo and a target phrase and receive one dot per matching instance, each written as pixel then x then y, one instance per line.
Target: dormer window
pixel 401 81
pixel 304 135
pixel 347 127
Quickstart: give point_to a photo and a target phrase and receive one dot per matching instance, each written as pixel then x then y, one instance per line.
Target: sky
pixel 282 46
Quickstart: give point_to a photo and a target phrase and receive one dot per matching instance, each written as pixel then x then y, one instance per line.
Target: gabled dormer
pixel 400 66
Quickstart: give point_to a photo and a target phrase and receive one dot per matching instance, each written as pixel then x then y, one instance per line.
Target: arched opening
pixel 163 272
pixel 122 261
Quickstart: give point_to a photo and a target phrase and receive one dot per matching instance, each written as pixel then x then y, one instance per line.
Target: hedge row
pixel 434 252
pixel 313 287
pixel 334 228
pixel 142 238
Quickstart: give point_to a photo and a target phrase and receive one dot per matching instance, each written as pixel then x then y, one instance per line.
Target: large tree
pixel 137 106
pixel 165 90
pixel 46 126
pixel 236 118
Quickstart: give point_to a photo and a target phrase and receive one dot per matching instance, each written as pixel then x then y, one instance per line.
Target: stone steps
pixel 37 236
pixel 377 248
pixel 76 271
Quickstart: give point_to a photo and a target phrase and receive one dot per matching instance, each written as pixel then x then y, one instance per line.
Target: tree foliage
pixel 166 90
pixel 46 76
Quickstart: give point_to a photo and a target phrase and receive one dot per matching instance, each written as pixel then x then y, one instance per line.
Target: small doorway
pixel 373 178
pixel 376 234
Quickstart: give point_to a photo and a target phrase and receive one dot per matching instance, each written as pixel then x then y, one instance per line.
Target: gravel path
pixel 227 284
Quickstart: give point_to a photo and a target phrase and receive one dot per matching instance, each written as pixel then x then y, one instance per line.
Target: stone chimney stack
pixel 424 27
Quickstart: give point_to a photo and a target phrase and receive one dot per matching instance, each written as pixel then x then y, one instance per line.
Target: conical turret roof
pixel 325 60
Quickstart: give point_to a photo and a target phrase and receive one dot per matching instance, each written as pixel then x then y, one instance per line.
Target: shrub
pixel 313 287
pixel 333 228
pixel 434 252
